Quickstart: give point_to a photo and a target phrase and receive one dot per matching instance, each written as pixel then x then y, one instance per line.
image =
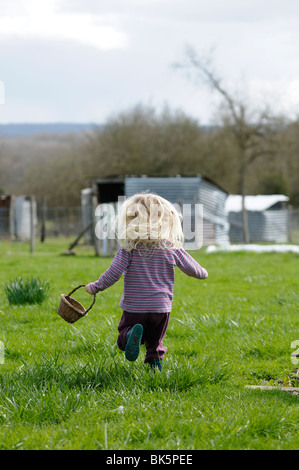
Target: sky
pixel 85 61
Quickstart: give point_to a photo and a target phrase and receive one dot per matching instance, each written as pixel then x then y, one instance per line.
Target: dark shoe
pixel 156 363
pixel 133 342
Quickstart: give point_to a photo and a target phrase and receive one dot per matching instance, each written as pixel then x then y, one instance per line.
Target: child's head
pixel 149 219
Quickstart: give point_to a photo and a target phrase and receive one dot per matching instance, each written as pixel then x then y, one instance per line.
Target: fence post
pixel 96 240
pixel 32 228
pixel 43 220
pixel 290 228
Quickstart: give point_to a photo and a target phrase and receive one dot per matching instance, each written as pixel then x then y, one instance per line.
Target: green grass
pixel 67 386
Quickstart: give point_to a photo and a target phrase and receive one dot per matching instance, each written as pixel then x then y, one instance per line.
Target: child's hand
pixel 88 289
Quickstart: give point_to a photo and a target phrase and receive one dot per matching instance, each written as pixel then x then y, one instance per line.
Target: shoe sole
pixel 133 345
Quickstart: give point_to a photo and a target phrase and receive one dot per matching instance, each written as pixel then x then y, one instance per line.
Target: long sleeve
pixel 189 266
pixel 118 265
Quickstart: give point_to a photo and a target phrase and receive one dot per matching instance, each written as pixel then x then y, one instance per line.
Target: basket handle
pixel 94 296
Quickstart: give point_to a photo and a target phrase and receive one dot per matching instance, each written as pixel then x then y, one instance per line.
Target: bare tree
pixel 253 131
pixel 144 141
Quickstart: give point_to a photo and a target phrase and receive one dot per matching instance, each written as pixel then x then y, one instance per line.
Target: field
pixel 66 386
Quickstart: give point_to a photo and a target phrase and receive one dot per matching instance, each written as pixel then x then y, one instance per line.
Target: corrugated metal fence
pixel 268 226
pixel 189 191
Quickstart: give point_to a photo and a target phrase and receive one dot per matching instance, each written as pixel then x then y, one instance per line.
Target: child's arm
pixel 189 266
pixel 112 274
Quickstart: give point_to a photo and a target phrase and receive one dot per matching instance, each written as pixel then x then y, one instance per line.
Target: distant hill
pixel 27 129
pixel 12 130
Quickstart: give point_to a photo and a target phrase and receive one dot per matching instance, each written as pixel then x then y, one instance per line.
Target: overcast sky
pixel 85 60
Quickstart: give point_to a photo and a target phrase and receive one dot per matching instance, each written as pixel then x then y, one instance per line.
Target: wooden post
pixel 74 243
pixel 43 220
pixel 96 240
pixel 32 228
pixel 289 212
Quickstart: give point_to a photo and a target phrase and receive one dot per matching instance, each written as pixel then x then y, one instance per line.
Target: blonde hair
pixel 150 221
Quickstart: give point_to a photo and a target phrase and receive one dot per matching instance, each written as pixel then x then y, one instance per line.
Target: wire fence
pixel 52 221
pixel 69 222
pixel 60 221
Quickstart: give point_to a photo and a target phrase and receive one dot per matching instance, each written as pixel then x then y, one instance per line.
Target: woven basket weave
pixel 70 309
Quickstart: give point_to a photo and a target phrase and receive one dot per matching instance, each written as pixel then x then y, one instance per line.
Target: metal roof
pixel 257 203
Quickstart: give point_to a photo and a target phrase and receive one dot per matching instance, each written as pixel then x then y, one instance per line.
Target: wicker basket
pixel 70 309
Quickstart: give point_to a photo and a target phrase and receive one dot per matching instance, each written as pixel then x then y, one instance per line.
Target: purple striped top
pixel 148 281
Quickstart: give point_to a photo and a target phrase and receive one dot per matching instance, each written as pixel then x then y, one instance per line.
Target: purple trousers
pixel 154 328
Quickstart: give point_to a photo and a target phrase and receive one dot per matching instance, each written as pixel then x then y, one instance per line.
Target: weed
pixel 26 291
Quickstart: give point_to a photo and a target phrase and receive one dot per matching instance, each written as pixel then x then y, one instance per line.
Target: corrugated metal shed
pixel 20 214
pixel 267 218
pixel 189 190
pixel 178 190
pixel 4 214
pixel 259 202
pixel 173 189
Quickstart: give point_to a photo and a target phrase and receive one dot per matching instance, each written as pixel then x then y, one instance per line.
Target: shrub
pixel 26 291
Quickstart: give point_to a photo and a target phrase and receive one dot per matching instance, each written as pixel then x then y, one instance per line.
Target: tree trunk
pixel 32 227
pixel 246 235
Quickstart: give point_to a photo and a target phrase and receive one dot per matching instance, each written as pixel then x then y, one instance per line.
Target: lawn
pixel 67 386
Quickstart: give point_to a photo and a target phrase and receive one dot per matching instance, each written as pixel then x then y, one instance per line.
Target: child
pixel 151 239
